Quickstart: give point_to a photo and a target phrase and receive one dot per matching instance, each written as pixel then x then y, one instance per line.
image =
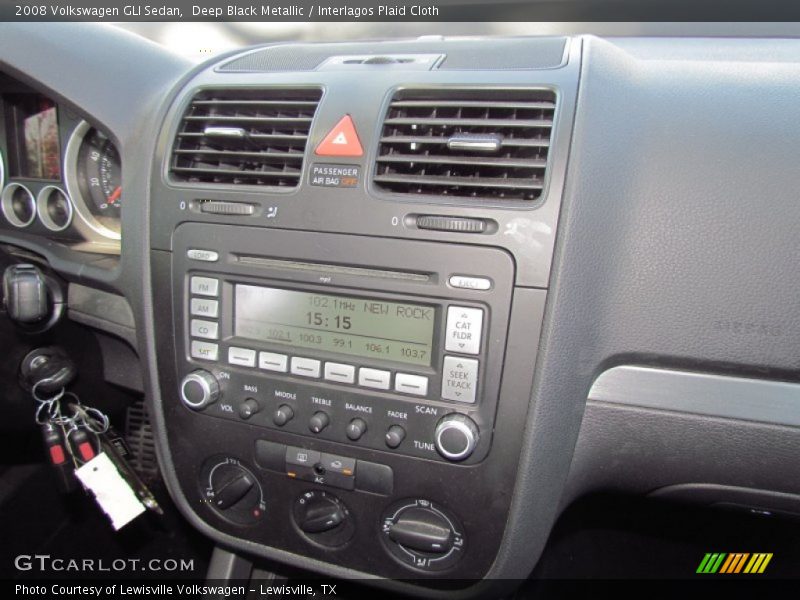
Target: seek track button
pixel 460 379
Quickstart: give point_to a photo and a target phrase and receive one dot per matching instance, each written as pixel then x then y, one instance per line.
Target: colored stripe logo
pixel 734 563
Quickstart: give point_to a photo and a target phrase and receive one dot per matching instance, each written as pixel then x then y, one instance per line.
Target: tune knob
pixel 199 389
pixel 456 436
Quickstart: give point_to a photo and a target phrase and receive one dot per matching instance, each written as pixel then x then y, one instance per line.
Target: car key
pixel 82 447
pixel 59 456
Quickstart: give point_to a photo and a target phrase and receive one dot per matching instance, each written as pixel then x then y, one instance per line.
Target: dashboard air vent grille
pixel 475 144
pixel 245 136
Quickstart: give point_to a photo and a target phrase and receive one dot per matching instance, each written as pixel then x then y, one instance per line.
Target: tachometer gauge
pixel 94 179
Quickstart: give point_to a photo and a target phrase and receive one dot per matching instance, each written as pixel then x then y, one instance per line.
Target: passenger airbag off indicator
pixel 342 140
pixel 336 176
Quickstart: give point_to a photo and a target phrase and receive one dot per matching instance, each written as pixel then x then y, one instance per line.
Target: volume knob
pixel 456 436
pixel 199 389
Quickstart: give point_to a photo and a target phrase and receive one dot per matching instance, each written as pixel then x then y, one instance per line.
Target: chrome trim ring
pixel 8 209
pixel 71 179
pixel 44 215
pixel 2 171
pixel 469 437
pixel 209 393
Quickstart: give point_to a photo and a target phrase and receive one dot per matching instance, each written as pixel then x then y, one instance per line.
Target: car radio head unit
pixel 393 351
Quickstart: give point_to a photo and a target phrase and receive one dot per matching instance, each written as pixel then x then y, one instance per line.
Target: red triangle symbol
pixel 342 140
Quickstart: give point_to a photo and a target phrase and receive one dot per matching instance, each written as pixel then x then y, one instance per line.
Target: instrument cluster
pixel 60 176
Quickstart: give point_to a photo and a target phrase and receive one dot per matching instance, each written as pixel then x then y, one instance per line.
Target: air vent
pixel 479 144
pixel 245 136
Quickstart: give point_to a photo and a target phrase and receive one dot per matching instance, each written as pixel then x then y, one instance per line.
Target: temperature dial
pixel 232 490
pixel 324 518
pixel 422 535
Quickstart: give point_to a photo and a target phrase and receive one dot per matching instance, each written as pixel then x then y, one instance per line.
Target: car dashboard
pixel 397 304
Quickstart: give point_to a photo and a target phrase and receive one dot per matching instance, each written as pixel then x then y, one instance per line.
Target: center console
pixel 347 344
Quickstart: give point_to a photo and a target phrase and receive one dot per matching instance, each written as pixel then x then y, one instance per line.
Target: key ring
pixel 96 416
pixel 36 397
pixel 93 419
pixel 52 406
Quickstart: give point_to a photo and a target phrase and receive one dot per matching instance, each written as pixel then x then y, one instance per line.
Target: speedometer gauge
pixel 94 179
pixel 100 175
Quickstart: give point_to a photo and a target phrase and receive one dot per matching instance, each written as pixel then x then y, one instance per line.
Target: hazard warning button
pixel 342 140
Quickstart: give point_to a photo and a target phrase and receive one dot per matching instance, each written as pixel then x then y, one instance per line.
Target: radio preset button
pixel 203 307
pixel 374 378
pixel 340 373
pixel 464 330
pixel 283 414
pixel 460 379
pixel 305 367
pixel 270 361
pixel 205 286
pixel 242 357
pixel 411 384
pixel 318 422
pixel 202 255
pixel 466 282
pixel 204 329
pixel 356 428
pixel 204 350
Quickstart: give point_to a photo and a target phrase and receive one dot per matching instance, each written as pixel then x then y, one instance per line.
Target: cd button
pixel 204 329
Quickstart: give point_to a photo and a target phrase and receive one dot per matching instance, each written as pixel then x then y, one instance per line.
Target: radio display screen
pixel 369 328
